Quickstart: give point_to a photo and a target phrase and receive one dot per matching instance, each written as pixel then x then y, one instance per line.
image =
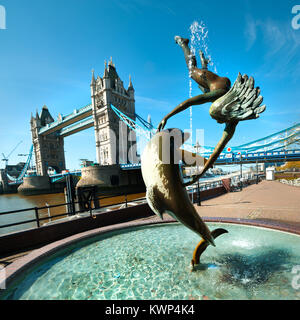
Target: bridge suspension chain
pixel 133 125
pixel 276 141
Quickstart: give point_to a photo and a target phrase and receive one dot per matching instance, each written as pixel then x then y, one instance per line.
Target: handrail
pixel 38 219
pixel 59 205
pixel 205 186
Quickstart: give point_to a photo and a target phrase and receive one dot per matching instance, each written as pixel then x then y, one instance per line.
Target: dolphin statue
pixel 165 189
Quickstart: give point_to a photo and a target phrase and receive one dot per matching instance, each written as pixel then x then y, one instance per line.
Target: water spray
pixel 198 39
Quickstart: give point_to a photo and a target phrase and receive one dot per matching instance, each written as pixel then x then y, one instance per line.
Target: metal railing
pixel 205 186
pixel 37 210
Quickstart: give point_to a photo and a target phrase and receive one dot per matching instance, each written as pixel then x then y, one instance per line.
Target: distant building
pixel 48 150
pixel 15 170
pixel 86 163
pixel 114 143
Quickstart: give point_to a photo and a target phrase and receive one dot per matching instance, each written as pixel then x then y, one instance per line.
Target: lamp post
pixel 256 172
pixel 197 147
pixel 241 171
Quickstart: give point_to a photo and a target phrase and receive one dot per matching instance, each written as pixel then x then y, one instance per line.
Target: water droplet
pixel 213 266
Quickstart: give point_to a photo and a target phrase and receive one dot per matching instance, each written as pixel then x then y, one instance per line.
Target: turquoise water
pixel 153 262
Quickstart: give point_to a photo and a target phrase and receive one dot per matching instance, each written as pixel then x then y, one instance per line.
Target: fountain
pixel 151 260
pixel 166 191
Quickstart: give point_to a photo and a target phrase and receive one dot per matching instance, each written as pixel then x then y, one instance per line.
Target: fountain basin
pixel 153 262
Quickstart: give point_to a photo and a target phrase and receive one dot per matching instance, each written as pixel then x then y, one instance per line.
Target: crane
pixel 6 158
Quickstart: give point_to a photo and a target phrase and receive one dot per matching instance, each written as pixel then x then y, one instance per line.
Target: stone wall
pixel 32 185
pixel 109 176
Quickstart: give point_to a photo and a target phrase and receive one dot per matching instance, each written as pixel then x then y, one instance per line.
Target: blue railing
pixel 60 176
pixel 232 158
pixel 268 156
pixel 130 166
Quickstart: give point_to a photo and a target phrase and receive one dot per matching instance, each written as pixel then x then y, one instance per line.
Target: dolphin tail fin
pixel 203 244
pixel 154 201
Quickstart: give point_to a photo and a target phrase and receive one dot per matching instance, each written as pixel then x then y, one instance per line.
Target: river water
pixel 11 202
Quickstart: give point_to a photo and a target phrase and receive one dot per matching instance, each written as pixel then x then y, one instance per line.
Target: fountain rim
pixel 23 264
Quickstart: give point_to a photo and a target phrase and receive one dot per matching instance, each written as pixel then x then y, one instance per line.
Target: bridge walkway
pixel 269 200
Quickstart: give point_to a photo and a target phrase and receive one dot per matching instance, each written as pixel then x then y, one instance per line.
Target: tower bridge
pixel 48 135
pixel 112 102
pixel 112 114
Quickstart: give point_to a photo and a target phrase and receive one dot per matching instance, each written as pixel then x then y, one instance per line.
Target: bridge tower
pixel 48 149
pixel 111 135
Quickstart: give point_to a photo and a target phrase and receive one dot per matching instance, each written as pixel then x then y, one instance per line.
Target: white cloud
pixel 281 43
pixel 250 32
pixel 275 35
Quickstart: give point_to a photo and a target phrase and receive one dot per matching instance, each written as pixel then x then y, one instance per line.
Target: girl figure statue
pixel 230 105
pixel 212 86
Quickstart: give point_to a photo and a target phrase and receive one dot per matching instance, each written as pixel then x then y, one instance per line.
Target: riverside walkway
pixel 268 201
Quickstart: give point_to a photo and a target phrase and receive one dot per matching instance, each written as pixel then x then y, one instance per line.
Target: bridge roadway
pixel 74 119
pixel 231 158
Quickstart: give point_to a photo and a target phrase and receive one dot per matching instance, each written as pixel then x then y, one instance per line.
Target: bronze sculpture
pixel 230 105
pixel 210 83
pixel 166 192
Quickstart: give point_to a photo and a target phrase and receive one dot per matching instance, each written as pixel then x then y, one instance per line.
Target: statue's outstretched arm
pixel 197 100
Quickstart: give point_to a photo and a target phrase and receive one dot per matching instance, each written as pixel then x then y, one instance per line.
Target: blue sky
pixel 49 48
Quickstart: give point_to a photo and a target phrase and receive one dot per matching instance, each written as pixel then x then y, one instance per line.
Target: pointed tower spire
pixel 105 70
pixel 93 82
pixel 37 114
pixel 130 86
